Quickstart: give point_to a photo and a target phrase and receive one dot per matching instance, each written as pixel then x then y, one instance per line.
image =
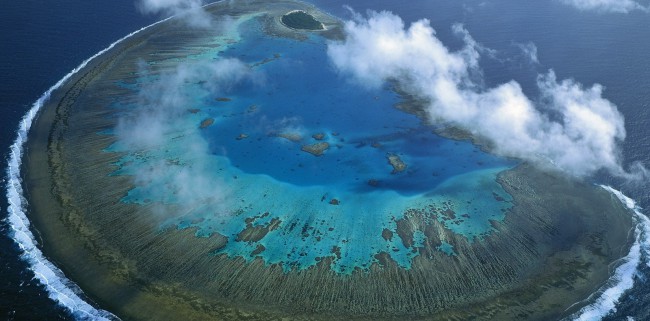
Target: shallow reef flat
pixel 490 239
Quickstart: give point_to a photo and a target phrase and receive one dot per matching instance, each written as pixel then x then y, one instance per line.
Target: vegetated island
pixel 299 19
pixel 510 274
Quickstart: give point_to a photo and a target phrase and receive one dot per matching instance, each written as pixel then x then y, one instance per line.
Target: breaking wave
pixel 59 288
pixel 67 294
pixel 609 294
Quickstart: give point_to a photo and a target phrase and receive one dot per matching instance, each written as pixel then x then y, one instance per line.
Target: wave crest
pixel 59 288
pixel 609 294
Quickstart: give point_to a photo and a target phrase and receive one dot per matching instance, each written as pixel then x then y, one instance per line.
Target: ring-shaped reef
pixel 231 173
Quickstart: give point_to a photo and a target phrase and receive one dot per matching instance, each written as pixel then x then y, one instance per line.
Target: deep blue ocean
pixel 41 41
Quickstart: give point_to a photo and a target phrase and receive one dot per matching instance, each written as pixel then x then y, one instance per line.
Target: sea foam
pixel 622 280
pixel 59 288
pixel 67 294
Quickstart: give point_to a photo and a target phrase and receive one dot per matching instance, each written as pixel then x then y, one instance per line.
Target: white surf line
pixel 59 288
pixel 623 278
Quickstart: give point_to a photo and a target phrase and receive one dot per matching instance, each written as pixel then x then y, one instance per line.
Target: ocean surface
pixel 42 41
pixel 321 197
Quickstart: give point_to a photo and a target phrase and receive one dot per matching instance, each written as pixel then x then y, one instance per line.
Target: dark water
pixel 610 49
pixel 43 40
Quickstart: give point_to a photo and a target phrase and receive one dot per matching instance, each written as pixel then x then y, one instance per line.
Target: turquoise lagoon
pixel 242 147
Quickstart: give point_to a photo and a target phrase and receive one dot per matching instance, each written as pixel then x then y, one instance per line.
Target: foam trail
pixel 65 292
pixel 623 278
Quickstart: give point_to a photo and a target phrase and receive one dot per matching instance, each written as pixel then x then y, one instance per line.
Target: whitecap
pixel 606 298
pixel 59 288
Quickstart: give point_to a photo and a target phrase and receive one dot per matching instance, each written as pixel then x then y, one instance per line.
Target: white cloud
pixel 530 51
pixel 569 127
pixel 149 130
pixel 191 11
pixel 166 99
pixel 618 6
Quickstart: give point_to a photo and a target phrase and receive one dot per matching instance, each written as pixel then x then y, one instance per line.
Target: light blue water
pixel 569 41
pixel 335 205
pixel 305 96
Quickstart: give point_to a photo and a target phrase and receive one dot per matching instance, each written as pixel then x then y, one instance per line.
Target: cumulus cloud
pixel 191 11
pixel 570 127
pixel 617 6
pixel 179 175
